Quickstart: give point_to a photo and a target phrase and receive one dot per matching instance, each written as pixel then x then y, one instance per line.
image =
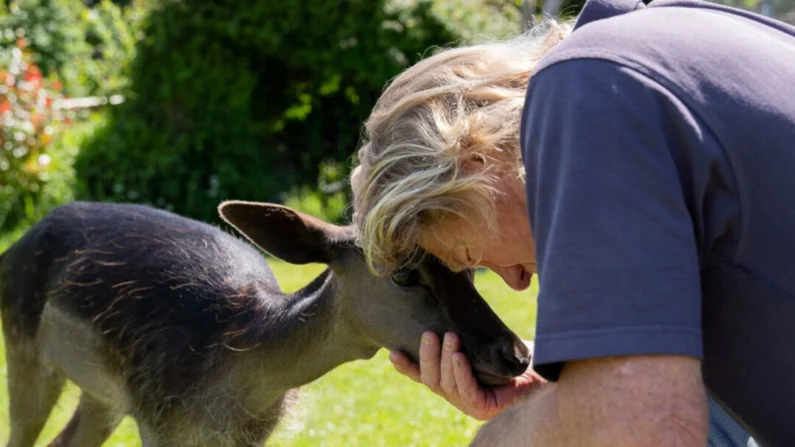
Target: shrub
pixel 34 168
pixel 249 102
pixel 327 200
pixel 87 49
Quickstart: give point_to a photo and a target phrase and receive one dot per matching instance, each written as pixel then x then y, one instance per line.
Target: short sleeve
pixel 611 207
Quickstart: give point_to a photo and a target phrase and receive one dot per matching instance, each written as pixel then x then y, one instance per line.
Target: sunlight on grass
pixel 362 403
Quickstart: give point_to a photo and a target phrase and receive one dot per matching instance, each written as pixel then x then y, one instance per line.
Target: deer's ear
pixel 283 232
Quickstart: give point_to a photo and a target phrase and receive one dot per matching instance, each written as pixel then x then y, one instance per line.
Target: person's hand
pixel 447 372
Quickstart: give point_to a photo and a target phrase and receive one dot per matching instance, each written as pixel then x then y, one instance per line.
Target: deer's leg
pixel 33 390
pixel 91 424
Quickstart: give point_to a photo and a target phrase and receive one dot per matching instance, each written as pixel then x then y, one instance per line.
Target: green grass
pixel 363 403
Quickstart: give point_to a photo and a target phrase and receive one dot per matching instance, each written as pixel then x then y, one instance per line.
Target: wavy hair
pixel 459 105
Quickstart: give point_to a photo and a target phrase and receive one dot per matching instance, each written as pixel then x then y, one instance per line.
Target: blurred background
pixel 180 104
pixel 183 103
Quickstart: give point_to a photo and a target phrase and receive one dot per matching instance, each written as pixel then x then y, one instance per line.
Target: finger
pixel 468 390
pixel 429 360
pixel 523 385
pixel 404 365
pixel 451 345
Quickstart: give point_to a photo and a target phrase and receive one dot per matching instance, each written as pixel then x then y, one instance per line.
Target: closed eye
pixel 470 261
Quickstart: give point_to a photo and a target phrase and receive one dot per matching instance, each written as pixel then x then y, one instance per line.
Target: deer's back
pixel 162 296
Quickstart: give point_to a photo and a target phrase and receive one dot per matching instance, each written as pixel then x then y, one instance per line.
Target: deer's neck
pixel 306 336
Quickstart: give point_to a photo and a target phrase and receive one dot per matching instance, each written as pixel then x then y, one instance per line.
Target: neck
pixel 305 336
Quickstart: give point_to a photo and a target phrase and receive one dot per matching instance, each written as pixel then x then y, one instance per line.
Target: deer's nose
pixel 515 363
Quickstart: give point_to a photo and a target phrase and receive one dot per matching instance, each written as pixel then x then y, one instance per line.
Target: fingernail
pixel 448 342
pixel 426 340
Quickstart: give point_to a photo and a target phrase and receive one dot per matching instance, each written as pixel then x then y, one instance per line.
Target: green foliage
pixel 32 170
pixel 327 201
pixel 249 103
pixel 46 50
pixel 86 49
pixel 474 20
pixel 56 36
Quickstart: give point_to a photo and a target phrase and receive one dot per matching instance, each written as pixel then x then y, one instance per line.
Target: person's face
pixel 508 249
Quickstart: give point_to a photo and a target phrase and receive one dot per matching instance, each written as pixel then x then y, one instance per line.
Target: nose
pixel 515 362
pixel 515 276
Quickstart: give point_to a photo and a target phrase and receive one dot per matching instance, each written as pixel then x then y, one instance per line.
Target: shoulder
pixel 670 41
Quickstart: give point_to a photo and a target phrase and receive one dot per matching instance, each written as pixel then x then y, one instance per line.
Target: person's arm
pixel 633 401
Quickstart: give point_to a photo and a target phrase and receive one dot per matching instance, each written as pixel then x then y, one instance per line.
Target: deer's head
pixel 390 312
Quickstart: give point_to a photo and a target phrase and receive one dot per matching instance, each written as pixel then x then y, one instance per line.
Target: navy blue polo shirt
pixel 659 146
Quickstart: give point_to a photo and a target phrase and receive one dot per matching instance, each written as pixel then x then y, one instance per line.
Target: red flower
pixel 37 120
pixel 21 43
pixel 33 76
pixel 4 107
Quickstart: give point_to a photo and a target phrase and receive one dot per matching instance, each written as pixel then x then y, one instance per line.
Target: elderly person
pixel 641 161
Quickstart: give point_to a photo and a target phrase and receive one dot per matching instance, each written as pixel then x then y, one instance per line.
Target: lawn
pixel 363 403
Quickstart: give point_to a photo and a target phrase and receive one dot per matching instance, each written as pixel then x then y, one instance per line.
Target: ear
pixel 283 232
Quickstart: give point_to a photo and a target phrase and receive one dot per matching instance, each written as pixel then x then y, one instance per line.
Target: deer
pixel 182 325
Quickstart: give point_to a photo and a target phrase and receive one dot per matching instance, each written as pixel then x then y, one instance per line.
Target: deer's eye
pixel 406 278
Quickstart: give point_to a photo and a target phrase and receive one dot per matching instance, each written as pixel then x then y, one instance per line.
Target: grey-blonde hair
pixel 458 105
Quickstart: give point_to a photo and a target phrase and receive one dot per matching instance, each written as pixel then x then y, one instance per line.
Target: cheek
pixel 515 247
pixel 505 253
